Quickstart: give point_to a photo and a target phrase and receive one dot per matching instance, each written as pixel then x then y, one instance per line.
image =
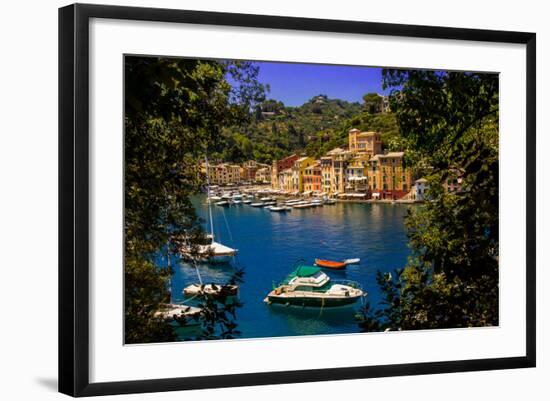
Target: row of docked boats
pixel 272 204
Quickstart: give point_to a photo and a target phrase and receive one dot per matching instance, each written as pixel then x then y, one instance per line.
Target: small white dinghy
pixel 211 289
pixel 353 261
pixel 173 311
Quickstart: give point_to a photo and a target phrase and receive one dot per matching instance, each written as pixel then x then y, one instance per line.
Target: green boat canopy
pixel 303 271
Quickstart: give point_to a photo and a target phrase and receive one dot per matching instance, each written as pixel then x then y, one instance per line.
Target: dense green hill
pixel 313 128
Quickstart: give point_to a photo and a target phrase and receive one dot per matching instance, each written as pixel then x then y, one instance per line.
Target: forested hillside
pixel 321 124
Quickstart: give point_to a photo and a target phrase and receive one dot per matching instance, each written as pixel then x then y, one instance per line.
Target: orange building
pixel 312 177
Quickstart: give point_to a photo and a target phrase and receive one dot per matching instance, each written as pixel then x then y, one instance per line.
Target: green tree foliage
pixel 277 131
pixel 174 108
pixel 450 121
pixel 372 103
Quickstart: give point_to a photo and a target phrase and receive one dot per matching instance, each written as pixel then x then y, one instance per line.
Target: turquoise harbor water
pixel 270 243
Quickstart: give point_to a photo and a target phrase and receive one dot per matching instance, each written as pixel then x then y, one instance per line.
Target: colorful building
pixel 365 142
pixel 249 169
pixel 312 177
pixel 263 175
pixel 298 170
pixel 326 174
pixel 284 180
pixel 388 177
pixel 362 168
pixel 356 174
pixel 224 173
pixel 340 160
pixel 279 166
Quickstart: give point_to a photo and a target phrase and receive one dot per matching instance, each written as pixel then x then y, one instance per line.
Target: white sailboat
pixel 212 251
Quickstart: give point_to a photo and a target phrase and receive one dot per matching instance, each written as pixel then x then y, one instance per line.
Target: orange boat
pixel 329 264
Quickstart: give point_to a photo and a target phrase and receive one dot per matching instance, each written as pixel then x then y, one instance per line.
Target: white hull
pixel 170 311
pixel 215 252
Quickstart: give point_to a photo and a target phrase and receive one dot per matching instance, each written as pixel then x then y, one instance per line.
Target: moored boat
pixel 257 204
pixel 280 209
pixel 309 286
pixel 212 251
pixel 352 261
pixel 209 250
pixel 330 264
pixel 302 205
pixel 215 290
pixel 176 311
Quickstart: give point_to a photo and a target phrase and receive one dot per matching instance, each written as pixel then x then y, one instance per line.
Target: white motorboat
pixel 280 209
pixel 257 204
pixel 223 203
pixel 247 201
pixel 302 205
pixel 353 261
pixel 237 202
pixel 309 286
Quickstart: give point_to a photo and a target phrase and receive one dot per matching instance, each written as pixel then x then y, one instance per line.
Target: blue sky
pixel 294 84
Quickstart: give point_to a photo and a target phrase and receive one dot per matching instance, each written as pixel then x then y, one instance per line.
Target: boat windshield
pixel 324 288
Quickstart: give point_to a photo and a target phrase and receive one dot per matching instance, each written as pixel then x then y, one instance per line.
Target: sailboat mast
pixel 208 194
pixel 169 268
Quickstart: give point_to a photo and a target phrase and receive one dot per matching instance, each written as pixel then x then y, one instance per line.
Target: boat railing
pixel 351 283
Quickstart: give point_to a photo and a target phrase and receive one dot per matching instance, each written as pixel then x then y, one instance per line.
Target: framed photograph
pixel 251 199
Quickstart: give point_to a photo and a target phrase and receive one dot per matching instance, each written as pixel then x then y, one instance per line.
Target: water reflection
pixel 269 245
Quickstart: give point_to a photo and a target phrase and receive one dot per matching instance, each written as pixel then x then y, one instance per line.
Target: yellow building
pixel 365 142
pixel 340 160
pixel 326 174
pixel 298 170
pixel 275 176
pixel 356 174
pixel 388 177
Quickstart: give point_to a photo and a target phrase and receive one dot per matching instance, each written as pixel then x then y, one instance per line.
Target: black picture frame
pixel 74 198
